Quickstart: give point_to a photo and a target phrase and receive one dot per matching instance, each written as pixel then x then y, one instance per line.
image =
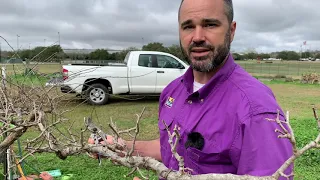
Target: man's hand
pixel 46 176
pixel 136 178
pixel 109 141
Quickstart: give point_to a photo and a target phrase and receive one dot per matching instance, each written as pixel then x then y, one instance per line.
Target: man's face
pixel 205 33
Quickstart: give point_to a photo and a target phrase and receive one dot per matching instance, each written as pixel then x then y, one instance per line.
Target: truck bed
pixel 104 64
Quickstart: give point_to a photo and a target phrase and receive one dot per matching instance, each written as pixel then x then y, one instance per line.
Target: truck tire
pixel 97 94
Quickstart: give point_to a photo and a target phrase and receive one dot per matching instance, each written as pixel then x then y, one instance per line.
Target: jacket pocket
pixel 199 161
pixel 165 119
pixel 164 144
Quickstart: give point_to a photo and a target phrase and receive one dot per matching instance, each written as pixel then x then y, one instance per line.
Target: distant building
pixel 272 59
pixel 86 51
pixel 12 61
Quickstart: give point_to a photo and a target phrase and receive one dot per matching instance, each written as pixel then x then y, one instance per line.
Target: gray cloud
pixel 265 25
pixel 272 25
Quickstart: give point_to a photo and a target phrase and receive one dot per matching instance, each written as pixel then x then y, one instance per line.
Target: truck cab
pixel 142 73
pixel 160 68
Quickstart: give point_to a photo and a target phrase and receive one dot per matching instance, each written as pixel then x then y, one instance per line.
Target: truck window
pixel 147 60
pixel 164 61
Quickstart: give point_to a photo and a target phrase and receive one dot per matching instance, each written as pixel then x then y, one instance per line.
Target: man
pixel 221 110
pixel 219 102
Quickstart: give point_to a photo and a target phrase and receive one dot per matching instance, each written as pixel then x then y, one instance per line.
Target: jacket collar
pixel 222 74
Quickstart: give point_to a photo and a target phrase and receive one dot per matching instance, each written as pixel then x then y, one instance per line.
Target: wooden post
pixel 5 153
pixel 3 76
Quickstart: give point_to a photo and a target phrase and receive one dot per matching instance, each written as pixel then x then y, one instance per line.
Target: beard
pixel 215 57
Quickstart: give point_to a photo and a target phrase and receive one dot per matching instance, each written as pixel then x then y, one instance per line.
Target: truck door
pixel 168 69
pixel 143 76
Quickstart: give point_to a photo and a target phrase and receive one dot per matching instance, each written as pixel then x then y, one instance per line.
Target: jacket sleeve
pixel 257 150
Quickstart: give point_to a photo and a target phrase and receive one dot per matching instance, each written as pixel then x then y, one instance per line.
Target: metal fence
pixel 287 68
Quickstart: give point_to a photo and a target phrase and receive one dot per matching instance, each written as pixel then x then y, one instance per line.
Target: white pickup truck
pixel 142 73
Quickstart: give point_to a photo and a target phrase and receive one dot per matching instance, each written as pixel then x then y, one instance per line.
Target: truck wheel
pixel 97 94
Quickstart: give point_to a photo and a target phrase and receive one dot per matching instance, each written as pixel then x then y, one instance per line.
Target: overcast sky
pixel 263 25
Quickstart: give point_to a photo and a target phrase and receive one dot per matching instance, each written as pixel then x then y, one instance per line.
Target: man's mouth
pixel 199 52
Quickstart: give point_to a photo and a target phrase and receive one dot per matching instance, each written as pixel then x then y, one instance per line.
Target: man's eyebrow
pixel 187 22
pixel 205 21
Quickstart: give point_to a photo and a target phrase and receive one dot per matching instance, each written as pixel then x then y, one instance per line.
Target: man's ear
pixel 233 27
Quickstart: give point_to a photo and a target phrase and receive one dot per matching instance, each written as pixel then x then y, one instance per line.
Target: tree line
pixel 56 54
pixel 103 54
pixel 43 54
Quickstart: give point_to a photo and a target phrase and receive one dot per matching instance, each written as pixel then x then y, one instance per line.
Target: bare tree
pixel 34 107
pixel 26 107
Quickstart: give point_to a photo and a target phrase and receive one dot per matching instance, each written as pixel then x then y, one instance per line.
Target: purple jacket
pixel 229 112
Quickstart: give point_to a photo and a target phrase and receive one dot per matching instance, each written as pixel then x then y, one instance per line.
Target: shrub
pixel 310 78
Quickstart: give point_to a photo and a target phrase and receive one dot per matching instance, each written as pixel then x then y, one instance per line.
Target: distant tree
pixel 51 53
pixel 252 55
pixel 116 56
pixel 292 55
pixel 25 54
pixel 99 54
pixel 288 55
pixel 244 57
pixel 81 56
pixel 176 51
pixel 317 56
pixel 306 54
pixel 154 46
pixel 237 56
pixel 283 55
pixel 122 54
pixel 6 54
pixel 112 56
pixel 264 56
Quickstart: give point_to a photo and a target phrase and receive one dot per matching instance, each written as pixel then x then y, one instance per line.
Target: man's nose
pixel 199 35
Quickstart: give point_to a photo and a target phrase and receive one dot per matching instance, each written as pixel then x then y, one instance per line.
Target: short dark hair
pixel 228 9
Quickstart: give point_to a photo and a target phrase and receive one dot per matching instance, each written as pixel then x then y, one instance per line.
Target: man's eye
pixel 187 27
pixel 210 25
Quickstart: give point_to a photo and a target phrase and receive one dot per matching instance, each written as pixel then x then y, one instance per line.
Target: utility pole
pixel 18 43
pixel 29 51
pixel 59 37
pixel 59 54
pixel 142 41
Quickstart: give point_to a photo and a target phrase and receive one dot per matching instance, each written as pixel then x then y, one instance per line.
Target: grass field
pixel 42 68
pixel 289 68
pixel 293 97
pixel 297 98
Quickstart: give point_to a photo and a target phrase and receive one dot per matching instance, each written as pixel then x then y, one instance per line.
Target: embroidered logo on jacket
pixel 169 102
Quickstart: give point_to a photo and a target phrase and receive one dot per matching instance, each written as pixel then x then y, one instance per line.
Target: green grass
pixel 81 167
pixel 35 75
pixel 34 80
pixel 298 99
pixel 292 68
pixel 43 68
